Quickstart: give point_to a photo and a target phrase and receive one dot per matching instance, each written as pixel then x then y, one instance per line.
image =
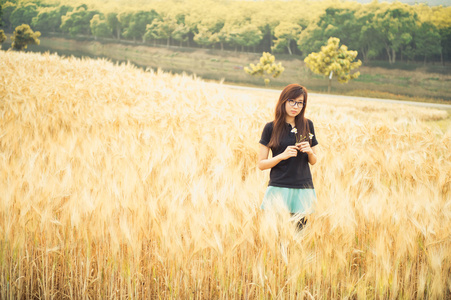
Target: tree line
pixel 391 31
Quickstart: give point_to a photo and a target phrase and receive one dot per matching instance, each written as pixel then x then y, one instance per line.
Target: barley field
pixel 120 183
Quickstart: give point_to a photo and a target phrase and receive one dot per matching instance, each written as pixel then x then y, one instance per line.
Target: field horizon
pixel 120 182
pixel 377 80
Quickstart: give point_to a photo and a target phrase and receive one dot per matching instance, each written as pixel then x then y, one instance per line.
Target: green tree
pixel 124 19
pixel 23 14
pixel 285 33
pixel 99 27
pixel 181 30
pixel 445 38
pixel 334 61
pixel 180 33
pixel 137 25
pixel 370 39
pixel 427 41
pixel 114 23
pixel 203 36
pixel 78 21
pixel 267 19
pixel 265 68
pixel 23 36
pixel 395 24
pixel 245 35
pixel 161 29
pixel 335 21
pixel 210 30
pixel 8 7
pixel 439 17
pixel 2 37
pixel 221 37
pixel 48 19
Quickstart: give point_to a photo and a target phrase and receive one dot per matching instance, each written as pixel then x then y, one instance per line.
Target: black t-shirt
pixel 293 172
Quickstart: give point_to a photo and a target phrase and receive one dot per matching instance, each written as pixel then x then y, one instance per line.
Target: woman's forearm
pixel 312 158
pixel 269 163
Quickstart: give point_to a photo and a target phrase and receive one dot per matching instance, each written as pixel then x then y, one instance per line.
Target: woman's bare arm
pixel 267 163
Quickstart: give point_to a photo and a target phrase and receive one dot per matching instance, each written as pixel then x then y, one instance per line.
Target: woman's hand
pixel 267 163
pixel 290 151
pixel 304 147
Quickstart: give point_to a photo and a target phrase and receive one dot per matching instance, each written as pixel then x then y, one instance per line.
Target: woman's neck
pixel 290 120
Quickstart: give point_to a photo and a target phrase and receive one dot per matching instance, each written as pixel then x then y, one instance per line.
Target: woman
pixel 292 141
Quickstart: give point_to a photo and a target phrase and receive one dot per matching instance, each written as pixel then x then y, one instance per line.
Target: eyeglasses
pixel 300 104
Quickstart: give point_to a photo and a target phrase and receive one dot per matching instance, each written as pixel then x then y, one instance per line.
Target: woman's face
pixel 294 106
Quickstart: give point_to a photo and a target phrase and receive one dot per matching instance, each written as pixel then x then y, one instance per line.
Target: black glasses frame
pixel 296 103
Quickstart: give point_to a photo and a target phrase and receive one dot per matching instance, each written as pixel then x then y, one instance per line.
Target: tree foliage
pixel 162 28
pixel 114 24
pixel 48 19
pixel 335 21
pixel 2 36
pixel 427 41
pixel 8 7
pixel 136 26
pixel 247 35
pixel 285 33
pixel 334 61
pixel 78 21
pixel 204 36
pixel 99 27
pixel 380 30
pixel 23 14
pixel 265 68
pixel 23 36
pixel 395 26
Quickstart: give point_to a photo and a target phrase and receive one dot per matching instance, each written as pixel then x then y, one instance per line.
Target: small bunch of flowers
pixel 301 138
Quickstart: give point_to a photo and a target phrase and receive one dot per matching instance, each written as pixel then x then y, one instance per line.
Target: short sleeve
pixel 266 134
pixel 312 131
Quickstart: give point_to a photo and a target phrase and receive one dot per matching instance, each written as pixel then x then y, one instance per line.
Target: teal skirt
pixel 300 201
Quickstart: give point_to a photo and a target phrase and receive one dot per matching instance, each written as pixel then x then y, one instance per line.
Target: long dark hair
pixel 291 91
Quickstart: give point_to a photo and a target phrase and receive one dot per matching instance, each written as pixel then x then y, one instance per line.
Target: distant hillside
pixel 411 2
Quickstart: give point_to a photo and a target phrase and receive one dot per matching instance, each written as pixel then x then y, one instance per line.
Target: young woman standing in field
pixel 291 139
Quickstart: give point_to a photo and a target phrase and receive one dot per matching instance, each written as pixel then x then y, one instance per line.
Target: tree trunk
pixel 222 46
pixel 168 42
pixel 270 41
pixel 388 54
pixel 365 55
pixel 387 48
pixel 393 55
pixel 330 82
pixel 289 49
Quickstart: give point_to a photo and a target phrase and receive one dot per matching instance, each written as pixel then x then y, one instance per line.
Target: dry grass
pixel 118 183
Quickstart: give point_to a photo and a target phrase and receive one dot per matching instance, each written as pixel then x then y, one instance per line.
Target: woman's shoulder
pixel 310 122
pixel 269 125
